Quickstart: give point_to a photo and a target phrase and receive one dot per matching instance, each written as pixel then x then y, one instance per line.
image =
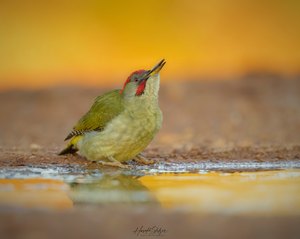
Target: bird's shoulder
pixel 103 110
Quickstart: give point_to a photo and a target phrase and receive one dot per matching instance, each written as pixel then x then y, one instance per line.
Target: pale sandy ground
pixel 256 118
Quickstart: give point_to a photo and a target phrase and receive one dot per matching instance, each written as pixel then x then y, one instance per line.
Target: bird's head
pixel 143 82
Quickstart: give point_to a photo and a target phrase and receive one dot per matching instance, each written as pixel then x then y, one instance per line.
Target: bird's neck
pixel 152 88
pixel 149 97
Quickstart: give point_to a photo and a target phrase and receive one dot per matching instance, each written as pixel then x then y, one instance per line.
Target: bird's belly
pixel 123 138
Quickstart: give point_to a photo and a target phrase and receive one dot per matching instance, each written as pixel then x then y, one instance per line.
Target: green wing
pixel 104 109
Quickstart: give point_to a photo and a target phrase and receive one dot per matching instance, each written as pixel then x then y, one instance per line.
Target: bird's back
pixel 104 109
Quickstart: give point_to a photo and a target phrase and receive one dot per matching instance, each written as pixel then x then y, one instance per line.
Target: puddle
pixel 245 187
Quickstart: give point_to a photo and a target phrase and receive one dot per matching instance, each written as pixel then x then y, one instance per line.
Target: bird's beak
pixel 158 67
pixel 155 69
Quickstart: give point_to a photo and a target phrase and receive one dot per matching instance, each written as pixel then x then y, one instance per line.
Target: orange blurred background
pixel 46 43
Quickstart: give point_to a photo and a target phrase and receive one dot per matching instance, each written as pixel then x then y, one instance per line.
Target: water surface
pixel 247 187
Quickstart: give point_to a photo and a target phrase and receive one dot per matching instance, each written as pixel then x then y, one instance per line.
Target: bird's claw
pixel 114 164
pixel 143 160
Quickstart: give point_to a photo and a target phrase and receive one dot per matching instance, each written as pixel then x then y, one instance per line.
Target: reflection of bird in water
pixel 112 188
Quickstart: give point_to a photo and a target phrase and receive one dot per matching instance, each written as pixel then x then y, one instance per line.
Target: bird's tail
pixel 71 147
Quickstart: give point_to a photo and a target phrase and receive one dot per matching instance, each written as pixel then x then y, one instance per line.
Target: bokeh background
pixel 93 43
pixel 231 78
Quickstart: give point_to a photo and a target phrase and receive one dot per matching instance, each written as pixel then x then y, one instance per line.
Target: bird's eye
pixel 136 79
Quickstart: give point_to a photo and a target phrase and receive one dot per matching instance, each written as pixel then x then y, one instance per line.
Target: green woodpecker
pixel 120 123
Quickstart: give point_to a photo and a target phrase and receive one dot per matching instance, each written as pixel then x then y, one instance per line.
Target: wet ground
pixel 227 165
pixel 206 187
pixel 187 200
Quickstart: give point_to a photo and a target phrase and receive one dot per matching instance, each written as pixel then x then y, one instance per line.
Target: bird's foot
pixel 143 160
pixel 113 164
